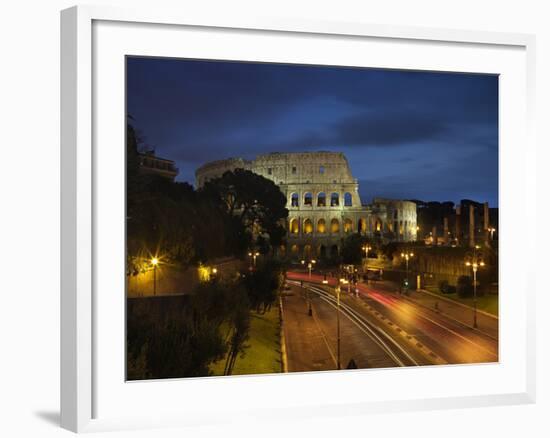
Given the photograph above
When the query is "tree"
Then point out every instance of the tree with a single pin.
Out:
(256, 202)
(165, 339)
(263, 285)
(352, 249)
(464, 286)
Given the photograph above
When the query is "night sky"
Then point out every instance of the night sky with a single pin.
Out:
(407, 135)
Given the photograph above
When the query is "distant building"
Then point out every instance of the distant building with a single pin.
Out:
(323, 201)
(150, 164)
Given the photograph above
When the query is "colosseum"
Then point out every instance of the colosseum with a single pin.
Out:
(323, 201)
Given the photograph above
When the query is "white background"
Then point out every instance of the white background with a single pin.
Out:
(29, 223)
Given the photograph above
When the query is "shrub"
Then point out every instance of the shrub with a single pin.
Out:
(464, 286)
(446, 288)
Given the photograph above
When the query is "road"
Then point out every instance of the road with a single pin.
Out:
(415, 334)
(311, 341)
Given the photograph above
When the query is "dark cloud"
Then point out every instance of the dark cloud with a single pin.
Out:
(398, 129)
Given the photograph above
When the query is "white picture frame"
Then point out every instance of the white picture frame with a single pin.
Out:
(84, 379)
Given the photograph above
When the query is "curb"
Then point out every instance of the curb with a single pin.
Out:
(284, 359)
(463, 324)
(411, 339)
(450, 300)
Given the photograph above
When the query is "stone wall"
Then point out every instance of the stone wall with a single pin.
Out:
(173, 280)
(323, 200)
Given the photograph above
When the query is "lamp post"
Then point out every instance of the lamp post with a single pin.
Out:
(154, 262)
(475, 264)
(367, 248)
(309, 266)
(407, 256)
(338, 326)
(254, 255)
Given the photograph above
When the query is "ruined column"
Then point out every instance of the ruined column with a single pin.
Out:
(434, 235)
(457, 224)
(446, 230)
(472, 230)
(486, 223)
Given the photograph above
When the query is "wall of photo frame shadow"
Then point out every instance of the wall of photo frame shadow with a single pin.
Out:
(176, 280)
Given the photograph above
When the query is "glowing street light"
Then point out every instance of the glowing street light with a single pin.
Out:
(407, 256)
(475, 264)
(154, 262)
(492, 231)
(254, 255)
(338, 324)
(367, 248)
(310, 266)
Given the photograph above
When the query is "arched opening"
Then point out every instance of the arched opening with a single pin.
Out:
(378, 225)
(322, 251)
(347, 199)
(348, 226)
(334, 200)
(308, 199)
(293, 226)
(308, 226)
(294, 200)
(307, 252)
(282, 251)
(321, 226)
(321, 200)
(362, 226)
(334, 251)
(294, 250)
(334, 226)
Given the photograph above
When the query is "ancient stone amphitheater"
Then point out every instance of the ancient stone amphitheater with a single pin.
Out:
(323, 201)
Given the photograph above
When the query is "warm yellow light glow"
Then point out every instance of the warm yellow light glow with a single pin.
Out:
(482, 264)
(303, 262)
(214, 270)
(468, 264)
(314, 261)
(325, 281)
(154, 261)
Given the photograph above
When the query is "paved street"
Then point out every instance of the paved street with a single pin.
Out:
(425, 335)
(311, 341)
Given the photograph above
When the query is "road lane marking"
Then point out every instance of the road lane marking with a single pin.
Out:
(425, 351)
(365, 324)
(421, 314)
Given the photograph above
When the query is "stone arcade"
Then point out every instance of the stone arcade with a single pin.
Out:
(323, 201)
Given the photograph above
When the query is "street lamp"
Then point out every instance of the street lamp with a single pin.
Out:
(338, 325)
(475, 264)
(492, 231)
(254, 255)
(154, 262)
(407, 256)
(367, 248)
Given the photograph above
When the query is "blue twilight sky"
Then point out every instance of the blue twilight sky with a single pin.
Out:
(406, 134)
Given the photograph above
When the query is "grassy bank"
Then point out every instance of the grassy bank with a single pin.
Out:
(263, 353)
(487, 302)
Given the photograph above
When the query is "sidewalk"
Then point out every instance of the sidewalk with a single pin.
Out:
(463, 314)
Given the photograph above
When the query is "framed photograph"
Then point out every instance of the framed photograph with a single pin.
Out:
(266, 218)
